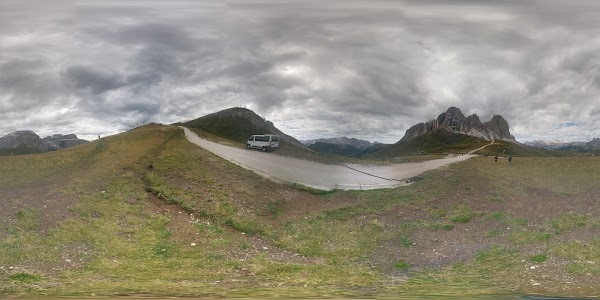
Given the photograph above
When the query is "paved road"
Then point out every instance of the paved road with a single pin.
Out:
(318, 175)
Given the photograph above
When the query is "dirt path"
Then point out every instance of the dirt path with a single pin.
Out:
(473, 151)
(318, 175)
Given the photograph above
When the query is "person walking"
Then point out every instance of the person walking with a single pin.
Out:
(510, 159)
(496, 158)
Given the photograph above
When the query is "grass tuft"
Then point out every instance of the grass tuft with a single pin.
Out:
(24, 277)
(401, 265)
(539, 258)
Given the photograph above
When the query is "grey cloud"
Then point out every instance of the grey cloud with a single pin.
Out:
(157, 34)
(95, 81)
(98, 82)
(352, 67)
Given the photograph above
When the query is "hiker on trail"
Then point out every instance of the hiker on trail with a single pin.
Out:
(496, 158)
(510, 159)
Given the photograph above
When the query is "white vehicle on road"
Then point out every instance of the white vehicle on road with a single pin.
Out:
(264, 142)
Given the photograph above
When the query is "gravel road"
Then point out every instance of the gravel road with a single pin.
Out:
(318, 175)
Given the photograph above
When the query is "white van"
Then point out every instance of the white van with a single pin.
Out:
(264, 142)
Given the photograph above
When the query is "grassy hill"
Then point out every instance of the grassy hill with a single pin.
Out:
(343, 150)
(148, 213)
(235, 125)
(432, 143)
(506, 148)
(444, 142)
(19, 151)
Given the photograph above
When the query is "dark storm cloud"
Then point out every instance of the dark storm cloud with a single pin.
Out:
(157, 34)
(94, 81)
(366, 69)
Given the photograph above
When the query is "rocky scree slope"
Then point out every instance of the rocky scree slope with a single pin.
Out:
(454, 121)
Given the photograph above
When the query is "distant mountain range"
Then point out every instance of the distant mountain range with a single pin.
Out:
(566, 146)
(450, 132)
(26, 141)
(341, 146)
(454, 121)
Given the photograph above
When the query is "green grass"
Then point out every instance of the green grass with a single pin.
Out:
(275, 208)
(582, 257)
(462, 214)
(163, 194)
(529, 236)
(432, 143)
(24, 278)
(401, 265)
(566, 222)
(539, 258)
(405, 241)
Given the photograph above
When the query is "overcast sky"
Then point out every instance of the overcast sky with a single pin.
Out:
(365, 69)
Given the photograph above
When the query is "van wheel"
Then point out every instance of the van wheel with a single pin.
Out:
(248, 146)
(264, 149)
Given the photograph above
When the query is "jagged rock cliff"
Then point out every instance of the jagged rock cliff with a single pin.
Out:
(28, 138)
(454, 121)
(60, 141)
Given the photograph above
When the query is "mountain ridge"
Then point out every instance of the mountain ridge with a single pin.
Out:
(454, 121)
(27, 139)
(238, 124)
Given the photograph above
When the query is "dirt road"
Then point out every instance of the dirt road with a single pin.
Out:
(318, 175)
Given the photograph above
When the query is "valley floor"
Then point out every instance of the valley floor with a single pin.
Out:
(148, 213)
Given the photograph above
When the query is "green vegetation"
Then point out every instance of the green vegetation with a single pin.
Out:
(567, 222)
(148, 213)
(442, 141)
(431, 143)
(539, 258)
(401, 265)
(24, 277)
(20, 150)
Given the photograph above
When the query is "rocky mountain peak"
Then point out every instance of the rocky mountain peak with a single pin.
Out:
(30, 139)
(454, 121)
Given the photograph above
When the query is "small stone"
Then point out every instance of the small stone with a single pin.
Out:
(193, 244)
(102, 192)
(67, 260)
(11, 268)
(535, 283)
(265, 248)
(532, 267)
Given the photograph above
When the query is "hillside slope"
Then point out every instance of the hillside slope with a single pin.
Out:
(238, 124)
(436, 142)
(148, 213)
(445, 142)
